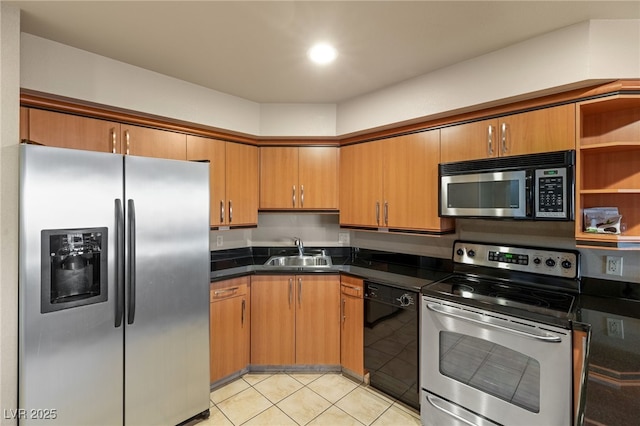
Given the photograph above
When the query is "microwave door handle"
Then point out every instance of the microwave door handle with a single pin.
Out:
(529, 192)
(545, 337)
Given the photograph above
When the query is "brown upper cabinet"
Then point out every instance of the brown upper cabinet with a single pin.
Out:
(71, 131)
(91, 134)
(147, 142)
(392, 183)
(542, 130)
(233, 178)
(293, 178)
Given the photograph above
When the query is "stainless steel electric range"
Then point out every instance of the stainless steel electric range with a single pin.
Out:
(496, 337)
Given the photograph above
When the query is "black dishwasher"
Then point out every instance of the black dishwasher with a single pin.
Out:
(391, 341)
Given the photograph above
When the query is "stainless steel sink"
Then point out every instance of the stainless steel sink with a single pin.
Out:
(300, 261)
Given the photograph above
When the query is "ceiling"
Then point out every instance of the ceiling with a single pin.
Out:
(257, 49)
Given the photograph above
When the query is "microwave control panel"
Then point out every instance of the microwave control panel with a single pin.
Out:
(551, 193)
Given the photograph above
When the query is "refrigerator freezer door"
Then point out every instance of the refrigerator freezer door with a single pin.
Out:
(70, 357)
(167, 306)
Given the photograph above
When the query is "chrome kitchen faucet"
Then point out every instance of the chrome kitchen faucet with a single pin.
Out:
(298, 242)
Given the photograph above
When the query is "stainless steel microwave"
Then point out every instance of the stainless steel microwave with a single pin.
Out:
(534, 187)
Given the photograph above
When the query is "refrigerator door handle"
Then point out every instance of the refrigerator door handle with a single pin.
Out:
(132, 261)
(119, 251)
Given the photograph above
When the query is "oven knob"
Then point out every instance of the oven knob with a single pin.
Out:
(459, 252)
(566, 264)
(550, 262)
(537, 261)
(471, 253)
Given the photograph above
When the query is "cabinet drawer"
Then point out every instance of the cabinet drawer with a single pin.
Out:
(229, 288)
(351, 286)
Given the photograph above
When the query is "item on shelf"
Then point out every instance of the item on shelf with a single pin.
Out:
(602, 220)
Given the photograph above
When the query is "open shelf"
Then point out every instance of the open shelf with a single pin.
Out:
(608, 169)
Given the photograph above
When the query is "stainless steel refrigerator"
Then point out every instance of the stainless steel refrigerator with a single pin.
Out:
(113, 289)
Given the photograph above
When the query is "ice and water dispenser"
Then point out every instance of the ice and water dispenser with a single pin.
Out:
(74, 268)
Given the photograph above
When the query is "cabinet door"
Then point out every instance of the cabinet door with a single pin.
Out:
(241, 184)
(229, 343)
(361, 184)
(352, 325)
(279, 178)
(318, 178)
(147, 142)
(317, 319)
(543, 130)
(199, 148)
(411, 181)
(72, 131)
(470, 141)
(272, 320)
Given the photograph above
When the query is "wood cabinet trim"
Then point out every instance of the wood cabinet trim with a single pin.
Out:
(34, 99)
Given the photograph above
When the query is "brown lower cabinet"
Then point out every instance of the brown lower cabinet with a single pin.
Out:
(295, 320)
(230, 322)
(352, 325)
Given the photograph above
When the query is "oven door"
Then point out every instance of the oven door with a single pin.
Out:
(492, 194)
(504, 369)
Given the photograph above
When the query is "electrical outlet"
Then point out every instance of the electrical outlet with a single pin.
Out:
(219, 241)
(613, 265)
(343, 237)
(615, 328)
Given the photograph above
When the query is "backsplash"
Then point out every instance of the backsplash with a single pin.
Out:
(323, 230)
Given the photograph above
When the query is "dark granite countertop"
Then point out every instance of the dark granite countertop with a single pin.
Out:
(405, 271)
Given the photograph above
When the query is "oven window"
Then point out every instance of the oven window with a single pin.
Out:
(494, 369)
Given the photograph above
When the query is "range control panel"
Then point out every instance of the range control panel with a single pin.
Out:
(539, 260)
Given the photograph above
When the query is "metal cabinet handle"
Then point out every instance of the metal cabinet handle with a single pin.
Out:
(545, 337)
(344, 314)
(230, 211)
(386, 213)
(225, 291)
(113, 140)
(378, 212)
(299, 291)
(127, 138)
(290, 290)
(293, 196)
(119, 255)
(490, 141)
(301, 195)
(352, 287)
(244, 307)
(221, 211)
(503, 138)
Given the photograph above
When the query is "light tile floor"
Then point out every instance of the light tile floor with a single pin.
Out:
(304, 399)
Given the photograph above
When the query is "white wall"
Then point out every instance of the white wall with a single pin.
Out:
(9, 138)
(570, 57)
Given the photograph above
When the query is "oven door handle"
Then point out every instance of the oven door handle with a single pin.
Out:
(545, 337)
(448, 408)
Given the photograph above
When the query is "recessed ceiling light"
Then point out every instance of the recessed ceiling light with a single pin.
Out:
(322, 53)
